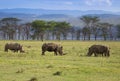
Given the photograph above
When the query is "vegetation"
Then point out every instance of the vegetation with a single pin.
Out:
(15, 29)
(9, 27)
(118, 31)
(90, 25)
(74, 66)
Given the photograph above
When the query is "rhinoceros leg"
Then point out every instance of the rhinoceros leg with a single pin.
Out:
(6, 50)
(103, 54)
(43, 52)
(60, 52)
(95, 54)
(55, 52)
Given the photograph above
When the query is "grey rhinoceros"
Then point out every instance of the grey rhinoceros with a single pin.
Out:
(15, 47)
(52, 47)
(99, 49)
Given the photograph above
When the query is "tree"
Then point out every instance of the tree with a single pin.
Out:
(118, 30)
(10, 27)
(84, 32)
(62, 28)
(72, 32)
(90, 24)
(39, 27)
(3, 31)
(96, 31)
(87, 22)
(104, 30)
(110, 26)
(94, 26)
(27, 29)
(51, 29)
(20, 32)
(78, 31)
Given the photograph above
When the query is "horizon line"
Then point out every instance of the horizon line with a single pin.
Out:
(64, 9)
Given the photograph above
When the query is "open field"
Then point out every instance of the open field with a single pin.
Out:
(74, 66)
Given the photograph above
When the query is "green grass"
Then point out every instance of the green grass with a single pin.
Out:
(74, 66)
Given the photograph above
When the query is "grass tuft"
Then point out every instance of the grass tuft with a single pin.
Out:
(50, 66)
(20, 71)
(33, 79)
(58, 73)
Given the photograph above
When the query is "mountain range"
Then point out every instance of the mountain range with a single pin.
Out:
(71, 16)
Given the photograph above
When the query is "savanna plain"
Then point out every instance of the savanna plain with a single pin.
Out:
(74, 66)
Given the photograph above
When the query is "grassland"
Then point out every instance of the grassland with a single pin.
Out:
(74, 66)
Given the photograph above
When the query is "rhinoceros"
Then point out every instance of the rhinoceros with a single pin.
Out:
(99, 49)
(15, 47)
(52, 47)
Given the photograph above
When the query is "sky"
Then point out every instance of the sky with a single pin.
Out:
(107, 5)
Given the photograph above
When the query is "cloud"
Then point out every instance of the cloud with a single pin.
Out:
(87, 2)
(98, 2)
(109, 2)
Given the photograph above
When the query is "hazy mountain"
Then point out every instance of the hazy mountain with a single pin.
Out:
(19, 15)
(71, 16)
(45, 11)
(110, 18)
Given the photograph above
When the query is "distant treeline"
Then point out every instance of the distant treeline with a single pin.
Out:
(93, 29)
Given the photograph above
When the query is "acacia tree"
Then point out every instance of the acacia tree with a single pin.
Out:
(96, 31)
(118, 30)
(104, 30)
(94, 26)
(10, 27)
(39, 27)
(19, 31)
(78, 31)
(84, 32)
(65, 29)
(72, 32)
(87, 22)
(3, 31)
(26, 30)
(90, 25)
(110, 26)
(51, 29)
(62, 28)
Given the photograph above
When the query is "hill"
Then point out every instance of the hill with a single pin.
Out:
(45, 11)
(71, 16)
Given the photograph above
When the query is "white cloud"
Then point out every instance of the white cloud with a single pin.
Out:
(88, 2)
(109, 2)
(98, 2)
